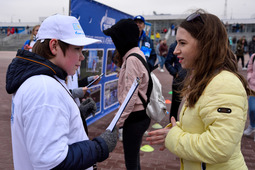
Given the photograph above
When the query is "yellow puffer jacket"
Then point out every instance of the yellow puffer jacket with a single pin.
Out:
(211, 131)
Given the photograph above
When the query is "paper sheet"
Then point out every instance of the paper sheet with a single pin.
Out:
(124, 104)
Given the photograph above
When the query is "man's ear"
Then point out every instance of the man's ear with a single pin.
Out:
(53, 46)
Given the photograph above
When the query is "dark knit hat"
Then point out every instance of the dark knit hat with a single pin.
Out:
(124, 34)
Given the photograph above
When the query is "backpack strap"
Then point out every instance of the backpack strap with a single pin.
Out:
(148, 93)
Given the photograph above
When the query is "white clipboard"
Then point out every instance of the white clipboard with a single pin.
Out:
(124, 104)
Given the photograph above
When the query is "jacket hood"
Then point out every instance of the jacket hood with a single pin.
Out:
(124, 34)
(26, 65)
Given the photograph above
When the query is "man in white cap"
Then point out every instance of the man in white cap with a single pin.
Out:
(47, 130)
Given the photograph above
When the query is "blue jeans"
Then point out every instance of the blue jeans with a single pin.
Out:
(252, 110)
(162, 61)
(159, 59)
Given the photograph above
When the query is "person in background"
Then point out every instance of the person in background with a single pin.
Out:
(46, 126)
(12, 30)
(145, 43)
(172, 30)
(174, 67)
(230, 41)
(152, 37)
(234, 44)
(251, 81)
(158, 53)
(27, 29)
(240, 52)
(245, 44)
(251, 48)
(134, 120)
(8, 31)
(30, 43)
(157, 37)
(208, 135)
(163, 50)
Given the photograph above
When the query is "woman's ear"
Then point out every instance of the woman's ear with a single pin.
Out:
(53, 46)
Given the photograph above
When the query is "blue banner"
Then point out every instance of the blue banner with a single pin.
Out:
(95, 17)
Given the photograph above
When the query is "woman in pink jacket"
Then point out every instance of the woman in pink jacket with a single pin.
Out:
(251, 82)
(134, 120)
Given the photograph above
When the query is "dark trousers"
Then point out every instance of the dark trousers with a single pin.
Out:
(242, 59)
(134, 127)
(176, 101)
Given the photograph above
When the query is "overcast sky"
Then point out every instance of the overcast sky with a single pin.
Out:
(31, 10)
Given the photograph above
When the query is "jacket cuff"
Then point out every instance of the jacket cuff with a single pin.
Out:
(102, 149)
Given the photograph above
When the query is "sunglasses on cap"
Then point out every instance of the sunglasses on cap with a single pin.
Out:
(194, 16)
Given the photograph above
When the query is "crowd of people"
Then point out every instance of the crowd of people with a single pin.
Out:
(48, 120)
(14, 30)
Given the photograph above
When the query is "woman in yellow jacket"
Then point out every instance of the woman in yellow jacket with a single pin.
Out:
(212, 120)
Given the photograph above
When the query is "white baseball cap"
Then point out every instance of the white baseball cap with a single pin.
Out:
(64, 28)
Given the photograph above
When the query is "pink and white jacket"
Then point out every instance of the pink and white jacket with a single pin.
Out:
(251, 72)
(130, 70)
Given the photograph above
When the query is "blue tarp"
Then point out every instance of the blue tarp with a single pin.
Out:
(95, 17)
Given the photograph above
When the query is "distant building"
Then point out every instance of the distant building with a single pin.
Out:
(162, 23)
(20, 27)
(240, 25)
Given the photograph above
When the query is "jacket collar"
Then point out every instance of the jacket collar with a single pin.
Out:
(27, 64)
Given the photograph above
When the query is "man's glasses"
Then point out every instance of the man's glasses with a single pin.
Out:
(194, 16)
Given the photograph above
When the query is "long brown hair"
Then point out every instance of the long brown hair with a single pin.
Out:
(214, 56)
(32, 34)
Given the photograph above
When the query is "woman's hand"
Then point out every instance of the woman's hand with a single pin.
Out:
(173, 121)
(158, 136)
